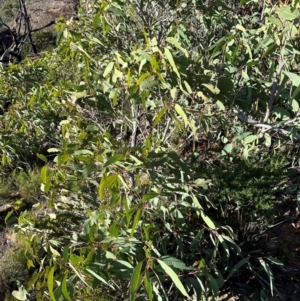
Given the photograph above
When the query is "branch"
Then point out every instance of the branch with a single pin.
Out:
(244, 118)
(49, 24)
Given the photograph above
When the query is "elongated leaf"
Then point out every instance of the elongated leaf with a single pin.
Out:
(225, 246)
(295, 93)
(250, 139)
(96, 20)
(227, 149)
(213, 285)
(176, 263)
(108, 69)
(174, 278)
(64, 288)
(169, 57)
(113, 159)
(180, 111)
(79, 47)
(293, 77)
(136, 220)
(269, 273)
(44, 174)
(237, 266)
(82, 152)
(159, 115)
(274, 260)
(197, 239)
(148, 286)
(50, 283)
(142, 77)
(106, 182)
(79, 275)
(98, 277)
(136, 280)
(287, 13)
(177, 44)
(207, 220)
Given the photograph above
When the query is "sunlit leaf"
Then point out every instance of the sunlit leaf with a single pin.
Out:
(136, 280)
(207, 220)
(169, 57)
(50, 283)
(170, 272)
(20, 294)
(181, 112)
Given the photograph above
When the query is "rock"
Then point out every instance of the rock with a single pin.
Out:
(42, 12)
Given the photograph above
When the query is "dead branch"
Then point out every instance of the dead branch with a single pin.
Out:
(267, 127)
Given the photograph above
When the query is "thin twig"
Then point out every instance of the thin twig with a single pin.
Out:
(166, 130)
(244, 118)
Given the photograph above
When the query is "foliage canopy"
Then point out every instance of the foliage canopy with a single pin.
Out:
(156, 127)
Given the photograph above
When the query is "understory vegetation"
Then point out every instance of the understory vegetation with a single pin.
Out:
(147, 156)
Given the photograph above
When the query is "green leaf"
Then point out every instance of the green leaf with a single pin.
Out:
(159, 115)
(96, 20)
(148, 286)
(295, 93)
(176, 263)
(113, 159)
(220, 105)
(202, 183)
(142, 77)
(275, 21)
(250, 139)
(83, 152)
(78, 46)
(207, 220)
(213, 285)
(136, 280)
(169, 57)
(295, 105)
(106, 182)
(42, 157)
(269, 273)
(64, 288)
(149, 82)
(108, 69)
(136, 220)
(50, 283)
(287, 12)
(174, 278)
(97, 276)
(44, 174)
(293, 77)
(241, 28)
(176, 43)
(237, 267)
(268, 139)
(271, 49)
(274, 260)
(225, 246)
(211, 88)
(197, 240)
(188, 87)
(180, 111)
